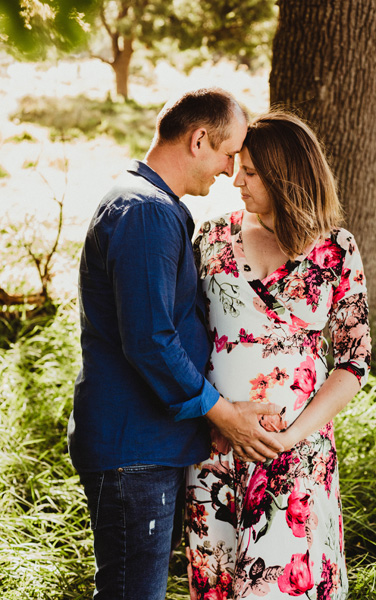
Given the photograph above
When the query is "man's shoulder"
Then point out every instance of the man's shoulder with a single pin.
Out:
(131, 190)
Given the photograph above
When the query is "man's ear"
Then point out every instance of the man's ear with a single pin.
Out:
(198, 138)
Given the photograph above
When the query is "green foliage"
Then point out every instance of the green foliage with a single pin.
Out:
(238, 30)
(218, 28)
(46, 543)
(356, 445)
(3, 172)
(24, 137)
(45, 547)
(127, 122)
(30, 27)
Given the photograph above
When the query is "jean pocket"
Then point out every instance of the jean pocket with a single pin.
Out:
(141, 468)
(93, 483)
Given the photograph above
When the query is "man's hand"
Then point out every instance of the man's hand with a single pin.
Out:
(239, 423)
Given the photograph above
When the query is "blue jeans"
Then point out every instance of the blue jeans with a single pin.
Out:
(132, 512)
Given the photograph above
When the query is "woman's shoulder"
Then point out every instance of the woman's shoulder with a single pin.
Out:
(343, 238)
(230, 219)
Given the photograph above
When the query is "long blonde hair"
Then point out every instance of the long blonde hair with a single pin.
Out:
(291, 163)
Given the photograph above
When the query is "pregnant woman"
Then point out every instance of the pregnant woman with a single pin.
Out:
(275, 274)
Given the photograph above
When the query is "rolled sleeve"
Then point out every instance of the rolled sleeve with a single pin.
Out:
(198, 406)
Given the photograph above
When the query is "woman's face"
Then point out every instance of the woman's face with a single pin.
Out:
(252, 190)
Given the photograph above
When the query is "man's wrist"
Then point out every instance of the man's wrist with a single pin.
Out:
(222, 411)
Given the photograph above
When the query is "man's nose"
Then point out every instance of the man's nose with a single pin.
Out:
(238, 181)
(230, 167)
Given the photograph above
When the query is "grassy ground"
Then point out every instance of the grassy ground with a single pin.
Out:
(45, 540)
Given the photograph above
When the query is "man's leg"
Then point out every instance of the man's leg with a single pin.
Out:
(132, 513)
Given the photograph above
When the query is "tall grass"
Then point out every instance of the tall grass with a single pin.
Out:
(45, 539)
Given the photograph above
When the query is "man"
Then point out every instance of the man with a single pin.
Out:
(141, 394)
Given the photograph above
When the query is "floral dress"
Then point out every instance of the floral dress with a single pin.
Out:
(274, 529)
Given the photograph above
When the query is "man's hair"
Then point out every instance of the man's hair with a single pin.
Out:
(212, 108)
(291, 163)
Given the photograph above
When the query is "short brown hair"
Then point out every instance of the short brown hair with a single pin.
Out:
(291, 163)
(212, 108)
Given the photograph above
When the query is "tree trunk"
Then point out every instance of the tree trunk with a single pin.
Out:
(120, 65)
(324, 65)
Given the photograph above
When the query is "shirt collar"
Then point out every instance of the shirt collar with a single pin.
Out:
(141, 168)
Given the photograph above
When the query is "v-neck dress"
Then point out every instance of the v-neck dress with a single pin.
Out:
(274, 529)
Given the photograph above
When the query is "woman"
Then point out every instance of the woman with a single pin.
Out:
(274, 275)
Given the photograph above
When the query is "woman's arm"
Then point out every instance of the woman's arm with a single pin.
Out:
(349, 331)
(340, 387)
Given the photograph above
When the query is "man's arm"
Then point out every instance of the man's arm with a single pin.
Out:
(143, 259)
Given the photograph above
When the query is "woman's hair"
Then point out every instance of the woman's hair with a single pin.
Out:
(213, 108)
(290, 162)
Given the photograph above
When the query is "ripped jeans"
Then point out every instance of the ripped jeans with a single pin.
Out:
(132, 513)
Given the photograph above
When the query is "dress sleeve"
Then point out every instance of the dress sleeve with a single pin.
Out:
(348, 319)
(143, 259)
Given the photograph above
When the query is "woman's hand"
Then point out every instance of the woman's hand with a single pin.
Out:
(288, 438)
(239, 423)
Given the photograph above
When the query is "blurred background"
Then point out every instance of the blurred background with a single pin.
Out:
(81, 83)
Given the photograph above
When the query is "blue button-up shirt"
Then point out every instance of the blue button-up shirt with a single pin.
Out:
(141, 393)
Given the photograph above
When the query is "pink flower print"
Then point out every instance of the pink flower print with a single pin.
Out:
(304, 382)
(327, 255)
(236, 217)
(297, 577)
(273, 422)
(256, 499)
(230, 502)
(298, 511)
(256, 489)
(246, 338)
(216, 594)
(328, 432)
(261, 381)
(200, 562)
(225, 581)
(330, 298)
(220, 342)
(319, 469)
(340, 533)
(214, 265)
(278, 376)
(297, 324)
(330, 579)
(260, 384)
(276, 276)
(343, 286)
(219, 234)
(359, 277)
(295, 287)
(273, 316)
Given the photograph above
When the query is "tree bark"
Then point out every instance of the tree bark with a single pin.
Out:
(324, 65)
(120, 64)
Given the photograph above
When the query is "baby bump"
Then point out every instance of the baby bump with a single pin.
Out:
(246, 374)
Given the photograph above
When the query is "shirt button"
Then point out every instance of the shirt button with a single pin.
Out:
(120, 469)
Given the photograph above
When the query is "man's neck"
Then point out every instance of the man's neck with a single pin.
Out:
(166, 161)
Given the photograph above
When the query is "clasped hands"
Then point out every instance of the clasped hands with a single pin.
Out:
(252, 429)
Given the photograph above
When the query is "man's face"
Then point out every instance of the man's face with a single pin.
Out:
(211, 163)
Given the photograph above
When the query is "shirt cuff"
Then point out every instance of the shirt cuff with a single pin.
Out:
(197, 406)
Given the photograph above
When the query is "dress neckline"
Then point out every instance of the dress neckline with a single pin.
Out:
(245, 269)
